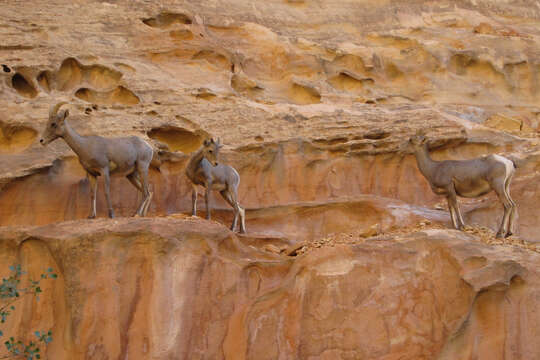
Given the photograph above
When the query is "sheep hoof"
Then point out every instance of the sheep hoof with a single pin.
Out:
(91, 216)
(499, 235)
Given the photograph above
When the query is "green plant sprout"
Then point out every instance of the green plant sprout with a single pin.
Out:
(10, 292)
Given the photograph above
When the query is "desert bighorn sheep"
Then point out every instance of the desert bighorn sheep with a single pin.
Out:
(204, 170)
(468, 178)
(126, 156)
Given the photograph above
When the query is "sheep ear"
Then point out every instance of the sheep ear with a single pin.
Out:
(206, 142)
(62, 115)
(219, 144)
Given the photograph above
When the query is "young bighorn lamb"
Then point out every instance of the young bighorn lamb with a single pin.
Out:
(126, 156)
(204, 170)
(468, 178)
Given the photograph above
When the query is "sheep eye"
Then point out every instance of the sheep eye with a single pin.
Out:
(210, 151)
(53, 125)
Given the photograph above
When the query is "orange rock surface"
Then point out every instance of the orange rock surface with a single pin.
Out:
(349, 254)
(186, 288)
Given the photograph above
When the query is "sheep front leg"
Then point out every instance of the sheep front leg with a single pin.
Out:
(207, 199)
(452, 213)
(93, 193)
(194, 200)
(457, 219)
(107, 183)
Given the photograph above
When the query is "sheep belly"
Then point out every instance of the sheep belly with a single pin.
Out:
(218, 186)
(120, 169)
(472, 188)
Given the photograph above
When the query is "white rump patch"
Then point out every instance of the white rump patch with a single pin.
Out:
(507, 163)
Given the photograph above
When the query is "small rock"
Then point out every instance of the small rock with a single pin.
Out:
(271, 248)
(373, 230)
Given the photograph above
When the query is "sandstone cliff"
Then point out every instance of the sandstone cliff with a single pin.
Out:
(185, 288)
(315, 101)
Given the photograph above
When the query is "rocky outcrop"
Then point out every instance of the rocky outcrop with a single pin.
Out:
(313, 103)
(272, 176)
(346, 255)
(185, 288)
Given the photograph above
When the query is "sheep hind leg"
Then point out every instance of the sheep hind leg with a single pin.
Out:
(134, 179)
(227, 196)
(457, 219)
(147, 203)
(461, 223)
(452, 214)
(142, 170)
(241, 212)
(513, 212)
(499, 188)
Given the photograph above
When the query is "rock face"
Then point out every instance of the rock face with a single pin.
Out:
(315, 102)
(185, 288)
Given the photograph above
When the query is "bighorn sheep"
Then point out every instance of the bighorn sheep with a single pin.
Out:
(468, 178)
(203, 169)
(127, 156)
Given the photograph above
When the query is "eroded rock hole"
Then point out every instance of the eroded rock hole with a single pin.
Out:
(22, 86)
(119, 95)
(166, 19)
(125, 67)
(302, 95)
(393, 72)
(44, 80)
(6, 68)
(477, 70)
(183, 34)
(334, 141)
(214, 58)
(245, 86)
(101, 77)
(347, 82)
(376, 135)
(72, 73)
(351, 62)
(69, 75)
(178, 139)
(15, 139)
(204, 94)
